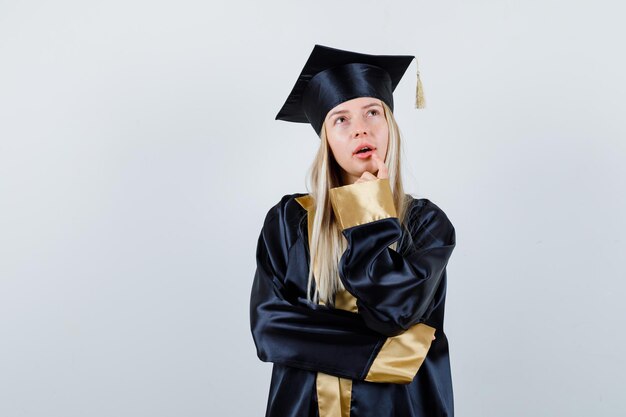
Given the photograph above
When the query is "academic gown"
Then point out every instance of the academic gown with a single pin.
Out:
(372, 354)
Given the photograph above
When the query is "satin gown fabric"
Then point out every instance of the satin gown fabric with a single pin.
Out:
(301, 338)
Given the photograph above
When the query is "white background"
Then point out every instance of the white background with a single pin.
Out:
(139, 155)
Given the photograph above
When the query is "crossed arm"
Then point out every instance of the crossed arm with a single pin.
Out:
(388, 339)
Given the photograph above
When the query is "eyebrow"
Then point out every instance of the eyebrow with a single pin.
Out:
(346, 111)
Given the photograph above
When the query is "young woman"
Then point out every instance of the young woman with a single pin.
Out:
(349, 291)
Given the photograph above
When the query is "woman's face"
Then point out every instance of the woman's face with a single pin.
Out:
(352, 125)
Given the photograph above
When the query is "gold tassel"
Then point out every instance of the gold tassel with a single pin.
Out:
(420, 103)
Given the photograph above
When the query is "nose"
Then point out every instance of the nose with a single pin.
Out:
(360, 130)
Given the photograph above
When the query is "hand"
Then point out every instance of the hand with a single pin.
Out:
(382, 170)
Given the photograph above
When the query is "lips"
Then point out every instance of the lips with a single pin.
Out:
(361, 146)
(363, 155)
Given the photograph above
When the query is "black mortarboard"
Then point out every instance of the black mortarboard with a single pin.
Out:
(332, 76)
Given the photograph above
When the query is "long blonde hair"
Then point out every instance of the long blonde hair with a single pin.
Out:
(327, 241)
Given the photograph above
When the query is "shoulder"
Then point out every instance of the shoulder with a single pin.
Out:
(285, 217)
(425, 209)
(288, 206)
(424, 216)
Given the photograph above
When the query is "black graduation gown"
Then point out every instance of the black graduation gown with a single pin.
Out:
(376, 359)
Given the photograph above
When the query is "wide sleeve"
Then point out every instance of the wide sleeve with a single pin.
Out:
(394, 292)
(291, 331)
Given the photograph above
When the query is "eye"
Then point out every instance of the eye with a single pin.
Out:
(374, 112)
(339, 119)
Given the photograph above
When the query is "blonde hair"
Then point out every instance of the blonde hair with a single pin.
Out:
(327, 241)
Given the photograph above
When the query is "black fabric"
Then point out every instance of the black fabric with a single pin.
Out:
(290, 330)
(394, 291)
(332, 76)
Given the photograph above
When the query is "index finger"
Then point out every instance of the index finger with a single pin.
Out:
(382, 168)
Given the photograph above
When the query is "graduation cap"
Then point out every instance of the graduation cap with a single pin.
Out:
(332, 76)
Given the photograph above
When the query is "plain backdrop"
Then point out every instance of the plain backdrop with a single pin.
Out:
(139, 155)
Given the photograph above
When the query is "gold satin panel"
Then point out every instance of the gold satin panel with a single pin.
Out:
(307, 202)
(343, 299)
(362, 202)
(334, 394)
(401, 356)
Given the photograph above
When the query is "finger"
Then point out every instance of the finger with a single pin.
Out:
(383, 172)
(368, 176)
